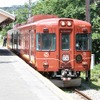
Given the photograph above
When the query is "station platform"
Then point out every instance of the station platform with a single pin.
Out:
(18, 81)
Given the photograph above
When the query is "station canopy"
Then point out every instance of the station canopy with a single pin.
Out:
(5, 18)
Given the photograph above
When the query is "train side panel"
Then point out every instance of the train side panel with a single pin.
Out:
(47, 57)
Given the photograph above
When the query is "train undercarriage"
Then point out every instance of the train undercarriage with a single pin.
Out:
(64, 78)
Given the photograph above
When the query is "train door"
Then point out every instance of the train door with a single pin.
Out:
(65, 49)
(31, 46)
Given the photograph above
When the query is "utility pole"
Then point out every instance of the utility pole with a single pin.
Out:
(30, 12)
(87, 2)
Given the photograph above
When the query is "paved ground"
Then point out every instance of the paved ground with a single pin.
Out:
(18, 81)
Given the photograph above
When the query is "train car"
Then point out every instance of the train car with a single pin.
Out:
(56, 47)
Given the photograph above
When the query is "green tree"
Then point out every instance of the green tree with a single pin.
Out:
(22, 14)
(95, 21)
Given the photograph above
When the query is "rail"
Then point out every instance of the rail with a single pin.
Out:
(82, 94)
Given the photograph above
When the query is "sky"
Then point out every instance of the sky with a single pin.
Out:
(8, 3)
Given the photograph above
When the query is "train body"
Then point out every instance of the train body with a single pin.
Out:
(57, 47)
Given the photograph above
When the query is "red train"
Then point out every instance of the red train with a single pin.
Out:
(56, 47)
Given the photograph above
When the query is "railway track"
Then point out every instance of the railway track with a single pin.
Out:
(83, 96)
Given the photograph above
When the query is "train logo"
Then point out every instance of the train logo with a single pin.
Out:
(46, 54)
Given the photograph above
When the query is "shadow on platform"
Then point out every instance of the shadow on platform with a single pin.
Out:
(5, 52)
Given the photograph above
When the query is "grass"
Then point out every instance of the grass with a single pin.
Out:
(95, 78)
(94, 82)
(1, 41)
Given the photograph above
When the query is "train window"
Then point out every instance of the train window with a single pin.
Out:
(46, 41)
(65, 41)
(83, 42)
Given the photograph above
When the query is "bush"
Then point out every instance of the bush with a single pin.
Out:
(96, 50)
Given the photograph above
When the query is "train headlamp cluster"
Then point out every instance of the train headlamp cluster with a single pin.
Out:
(66, 23)
(63, 23)
(69, 23)
(65, 57)
(79, 58)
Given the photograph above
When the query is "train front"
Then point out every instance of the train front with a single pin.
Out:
(75, 48)
(63, 48)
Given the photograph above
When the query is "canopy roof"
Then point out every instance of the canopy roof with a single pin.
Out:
(5, 18)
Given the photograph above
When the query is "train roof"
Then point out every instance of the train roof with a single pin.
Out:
(49, 21)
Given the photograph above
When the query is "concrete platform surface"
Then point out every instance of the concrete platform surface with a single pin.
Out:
(18, 81)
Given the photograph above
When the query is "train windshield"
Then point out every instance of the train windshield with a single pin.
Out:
(45, 41)
(83, 42)
(65, 41)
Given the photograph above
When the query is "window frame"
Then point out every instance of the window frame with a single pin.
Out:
(41, 40)
(87, 41)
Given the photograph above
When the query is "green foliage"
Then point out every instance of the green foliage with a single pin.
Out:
(95, 19)
(62, 8)
(95, 78)
(5, 29)
(44, 7)
(21, 15)
(3, 32)
(96, 71)
(96, 49)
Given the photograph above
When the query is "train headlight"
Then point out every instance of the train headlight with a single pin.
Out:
(78, 58)
(63, 23)
(69, 23)
(65, 57)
